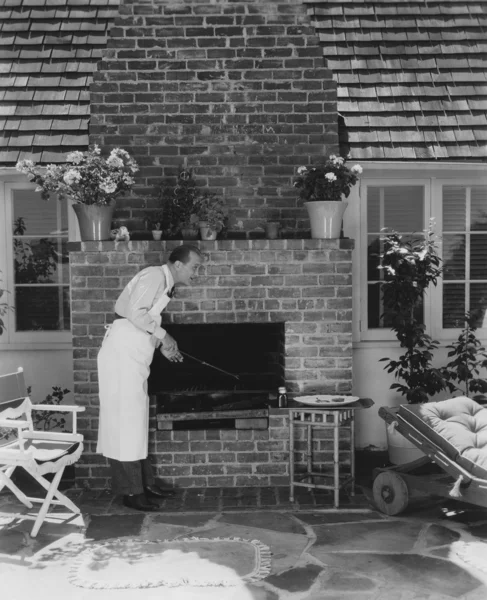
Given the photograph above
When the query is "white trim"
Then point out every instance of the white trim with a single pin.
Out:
(12, 339)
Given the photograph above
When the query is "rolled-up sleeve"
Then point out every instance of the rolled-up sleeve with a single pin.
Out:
(136, 303)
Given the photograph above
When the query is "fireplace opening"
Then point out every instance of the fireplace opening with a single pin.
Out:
(252, 351)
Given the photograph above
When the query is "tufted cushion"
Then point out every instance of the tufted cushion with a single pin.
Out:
(458, 426)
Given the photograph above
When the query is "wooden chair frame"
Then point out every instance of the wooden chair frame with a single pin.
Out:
(20, 452)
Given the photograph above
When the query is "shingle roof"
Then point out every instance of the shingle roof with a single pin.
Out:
(48, 52)
(412, 75)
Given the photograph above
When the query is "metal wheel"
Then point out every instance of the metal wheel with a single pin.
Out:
(390, 493)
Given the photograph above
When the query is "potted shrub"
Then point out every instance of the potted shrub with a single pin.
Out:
(180, 206)
(212, 215)
(90, 182)
(323, 189)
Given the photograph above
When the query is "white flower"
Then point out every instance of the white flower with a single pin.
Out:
(333, 157)
(330, 176)
(127, 179)
(120, 152)
(108, 186)
(357, 169)
(114, 161)
(75, 157)
(24, 166)
(71, 176)
(302, 170)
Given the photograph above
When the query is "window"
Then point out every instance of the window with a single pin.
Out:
(459, 208)
(35, 266)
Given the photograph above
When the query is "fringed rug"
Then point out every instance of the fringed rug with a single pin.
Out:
(133, 563)
(473, 553)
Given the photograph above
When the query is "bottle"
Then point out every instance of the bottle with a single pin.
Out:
(282, 397)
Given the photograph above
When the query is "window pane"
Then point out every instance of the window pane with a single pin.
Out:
(453, 305)
(38, 217)
(374, 306)
(478, 302)
(374, 249)
(454, 256)
(478, 210)
(404, 208)
(454, 208)
(42, 308)
(41, 260)
(374, 223)
(478, 256)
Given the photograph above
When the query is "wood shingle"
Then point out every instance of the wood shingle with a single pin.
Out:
(428, 71)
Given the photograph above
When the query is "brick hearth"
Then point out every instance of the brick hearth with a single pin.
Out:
(304, 283)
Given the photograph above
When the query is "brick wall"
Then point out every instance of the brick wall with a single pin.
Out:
(235, 89)
(304, 283)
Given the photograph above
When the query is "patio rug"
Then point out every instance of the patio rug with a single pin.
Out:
(473, 553)
(122, 563)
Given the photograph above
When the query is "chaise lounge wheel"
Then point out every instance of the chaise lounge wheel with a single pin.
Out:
(390, 493)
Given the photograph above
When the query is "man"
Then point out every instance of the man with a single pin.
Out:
(123, 369)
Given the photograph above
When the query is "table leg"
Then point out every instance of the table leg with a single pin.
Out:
(291, 457)
(336, 459)
(352, 451)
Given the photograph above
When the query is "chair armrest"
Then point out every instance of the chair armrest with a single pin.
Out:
(60, 408)
(14, 423)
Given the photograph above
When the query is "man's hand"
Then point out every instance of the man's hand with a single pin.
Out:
(169, 349)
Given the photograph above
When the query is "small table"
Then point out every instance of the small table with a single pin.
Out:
(315, 418)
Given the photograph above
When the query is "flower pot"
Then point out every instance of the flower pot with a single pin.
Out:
(401, 450)
(94, 221)
(157, 234)
(272, 230)
(326, 218)
(206, 233)
(189, 233)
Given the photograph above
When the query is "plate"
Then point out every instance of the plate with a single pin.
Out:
(326, 400)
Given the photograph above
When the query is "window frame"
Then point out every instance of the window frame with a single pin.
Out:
(23, 340)
(389, 174)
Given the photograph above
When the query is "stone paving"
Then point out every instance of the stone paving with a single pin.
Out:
(318, 553)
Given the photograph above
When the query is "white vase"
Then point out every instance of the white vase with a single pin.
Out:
(206, 233)
(401, 450)
(325, 218)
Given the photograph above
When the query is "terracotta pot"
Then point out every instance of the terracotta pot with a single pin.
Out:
(95, 221)
(325, 218)
(206, 233)
(189, 233)
(157, 234)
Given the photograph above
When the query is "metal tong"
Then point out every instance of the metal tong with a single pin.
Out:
(209, 365)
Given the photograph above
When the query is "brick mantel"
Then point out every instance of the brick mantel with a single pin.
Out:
(304, 283)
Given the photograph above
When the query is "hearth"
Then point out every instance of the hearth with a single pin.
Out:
(193, 395)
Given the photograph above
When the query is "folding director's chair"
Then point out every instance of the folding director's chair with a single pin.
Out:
(38, 452)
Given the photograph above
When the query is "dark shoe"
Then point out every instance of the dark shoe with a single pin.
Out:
(158, 492)
(139, 502)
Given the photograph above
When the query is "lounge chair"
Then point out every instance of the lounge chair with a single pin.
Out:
(453, 435)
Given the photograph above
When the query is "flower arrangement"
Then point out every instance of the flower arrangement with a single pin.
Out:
(328, 181)
(85, 178)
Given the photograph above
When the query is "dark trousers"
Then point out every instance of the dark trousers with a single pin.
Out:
(130, 477)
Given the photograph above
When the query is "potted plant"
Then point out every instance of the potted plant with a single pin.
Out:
(212, 215)
(180, 206)
(88, 180)
(156, 226)
(322, 188)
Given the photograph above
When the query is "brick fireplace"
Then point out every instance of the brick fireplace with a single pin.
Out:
(305, 285)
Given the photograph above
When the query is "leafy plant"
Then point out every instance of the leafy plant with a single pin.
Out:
(212, 210)
(328, 181)
(179, 203)
(469, 356)
(410, 266)
(85, 178)
(3, 308)
(33, 263)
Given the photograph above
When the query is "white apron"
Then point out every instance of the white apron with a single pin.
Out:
(123, 369)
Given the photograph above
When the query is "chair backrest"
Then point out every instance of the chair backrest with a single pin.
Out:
(12, 390)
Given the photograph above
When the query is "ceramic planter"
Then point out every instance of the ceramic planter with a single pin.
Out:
(206, 233)
(157, 234)
(325, 218)
(189, 233)
(94, 221)
(401, 450)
